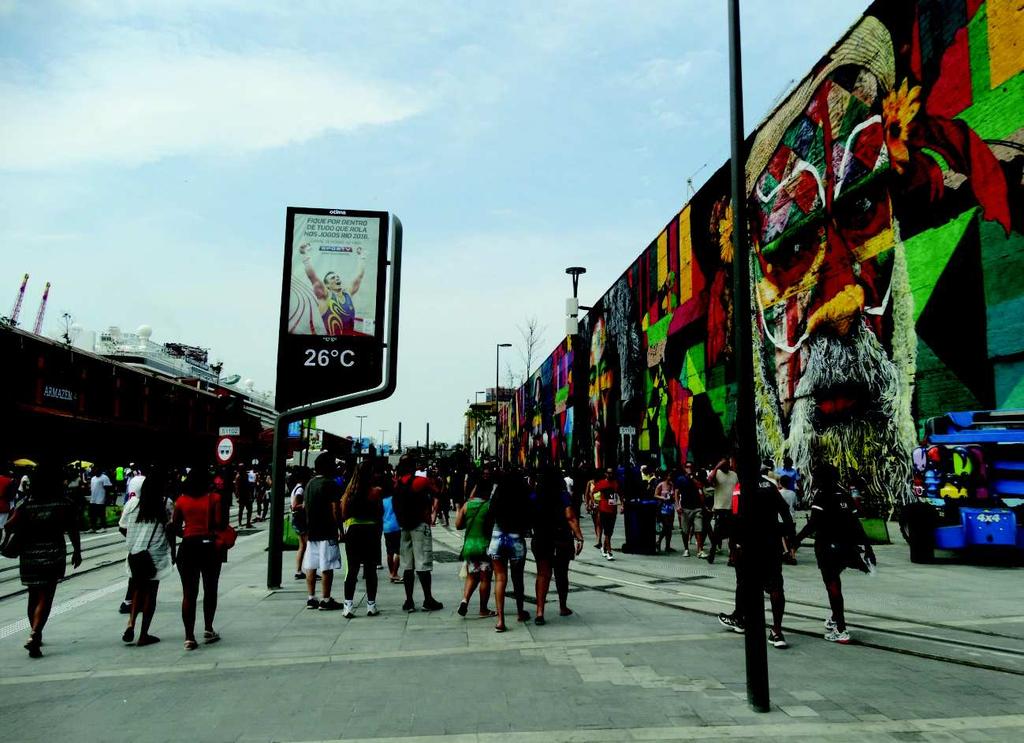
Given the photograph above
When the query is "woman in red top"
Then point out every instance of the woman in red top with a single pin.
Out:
(197, 513)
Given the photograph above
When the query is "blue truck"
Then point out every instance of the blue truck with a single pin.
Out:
(969, 483)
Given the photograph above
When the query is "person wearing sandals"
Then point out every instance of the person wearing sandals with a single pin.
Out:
(474, 517)
(298, 482)
(510, 513)
(362, 510)
(38, 525)
(392, 531)
(197, 514)
(557, 539)
(144, 523)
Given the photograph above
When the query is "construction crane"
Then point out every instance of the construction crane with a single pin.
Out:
(18, 299)
(42, 310)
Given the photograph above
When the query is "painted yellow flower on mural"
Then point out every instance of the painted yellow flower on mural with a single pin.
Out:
(898, 109)
(725, 235)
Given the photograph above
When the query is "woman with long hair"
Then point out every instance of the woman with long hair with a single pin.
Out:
(39, 524)
(557, 539)
(509, 510)
(363, 512)
(473, 517)
(297, 488)
(197, 515)
(144, 522)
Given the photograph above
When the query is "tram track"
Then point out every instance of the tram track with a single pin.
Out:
(913, 638)
(791, 601)
(111, 552)
(926, 637)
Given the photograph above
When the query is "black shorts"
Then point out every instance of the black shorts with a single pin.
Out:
(393, 542)
(830, 560)
(552, 550)
(608, 522)
(197, 553)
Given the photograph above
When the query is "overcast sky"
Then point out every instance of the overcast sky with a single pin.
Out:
(148, 149)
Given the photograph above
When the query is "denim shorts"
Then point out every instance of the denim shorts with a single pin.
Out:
(507, 547)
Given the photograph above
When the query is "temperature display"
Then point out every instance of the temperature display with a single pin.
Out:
(327, 358)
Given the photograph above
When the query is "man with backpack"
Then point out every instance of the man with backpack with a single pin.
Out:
(415, 505)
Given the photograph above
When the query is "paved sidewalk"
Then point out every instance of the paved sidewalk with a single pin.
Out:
(621, 668)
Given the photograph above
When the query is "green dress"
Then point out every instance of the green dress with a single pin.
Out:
(478, 532)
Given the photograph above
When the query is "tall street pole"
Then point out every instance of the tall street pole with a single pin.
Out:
(748, 464)
(360, 417)
(497, 370)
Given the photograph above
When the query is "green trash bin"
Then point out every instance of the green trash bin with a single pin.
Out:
(877, 530)
(289, 537)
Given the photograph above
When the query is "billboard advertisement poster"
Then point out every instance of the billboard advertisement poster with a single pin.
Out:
(331, 333)
(333, 275)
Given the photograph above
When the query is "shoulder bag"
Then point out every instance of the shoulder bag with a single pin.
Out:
(141, 564)
(225, 537)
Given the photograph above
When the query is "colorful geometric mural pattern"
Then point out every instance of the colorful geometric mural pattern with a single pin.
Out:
(887, 234)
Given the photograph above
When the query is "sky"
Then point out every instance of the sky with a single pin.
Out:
(149, 149)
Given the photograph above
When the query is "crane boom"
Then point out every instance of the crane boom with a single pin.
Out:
(42, 310)
(18, 299)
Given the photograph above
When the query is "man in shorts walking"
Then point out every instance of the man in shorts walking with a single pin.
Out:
(723, 478)
(415, 508)
(322, 502)
(691, 509)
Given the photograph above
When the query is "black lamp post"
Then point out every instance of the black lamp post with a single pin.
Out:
(497, 369)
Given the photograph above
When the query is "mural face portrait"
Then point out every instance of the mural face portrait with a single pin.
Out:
(830, 268)
(601, 382)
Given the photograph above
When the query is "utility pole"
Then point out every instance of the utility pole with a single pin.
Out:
(747, 459)
(360, 417)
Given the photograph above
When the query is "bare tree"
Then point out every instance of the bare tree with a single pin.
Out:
(532, 334)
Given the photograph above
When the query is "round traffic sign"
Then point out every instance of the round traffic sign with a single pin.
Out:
(225, 449)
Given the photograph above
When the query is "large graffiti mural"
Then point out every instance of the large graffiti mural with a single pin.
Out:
(886, 222)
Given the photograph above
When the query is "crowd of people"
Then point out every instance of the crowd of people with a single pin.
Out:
(497, 510)
(180, 519)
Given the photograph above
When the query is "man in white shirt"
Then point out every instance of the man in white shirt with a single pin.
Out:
(724, 480)
(99, 486)
(134, 486)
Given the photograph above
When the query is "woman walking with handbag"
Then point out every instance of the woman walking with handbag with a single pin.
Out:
(37, 530)
(197, 518)
(144, 523)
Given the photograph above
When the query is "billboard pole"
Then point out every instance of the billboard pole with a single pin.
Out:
(748, 464)
(386, 387)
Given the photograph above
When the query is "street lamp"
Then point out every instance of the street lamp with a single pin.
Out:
(497, 369)
(360, 417)
(575, 272)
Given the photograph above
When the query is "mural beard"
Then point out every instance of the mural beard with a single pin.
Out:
(846, 411)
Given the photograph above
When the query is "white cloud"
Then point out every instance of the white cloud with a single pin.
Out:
(153, 96)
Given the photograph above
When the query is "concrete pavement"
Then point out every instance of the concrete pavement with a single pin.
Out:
(640, 660)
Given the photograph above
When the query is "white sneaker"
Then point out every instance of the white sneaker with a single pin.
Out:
(830, 623)
(834, 635)
(371, 609)
(348, 611)
(686, 553)
(702, 555)
(608, 557)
